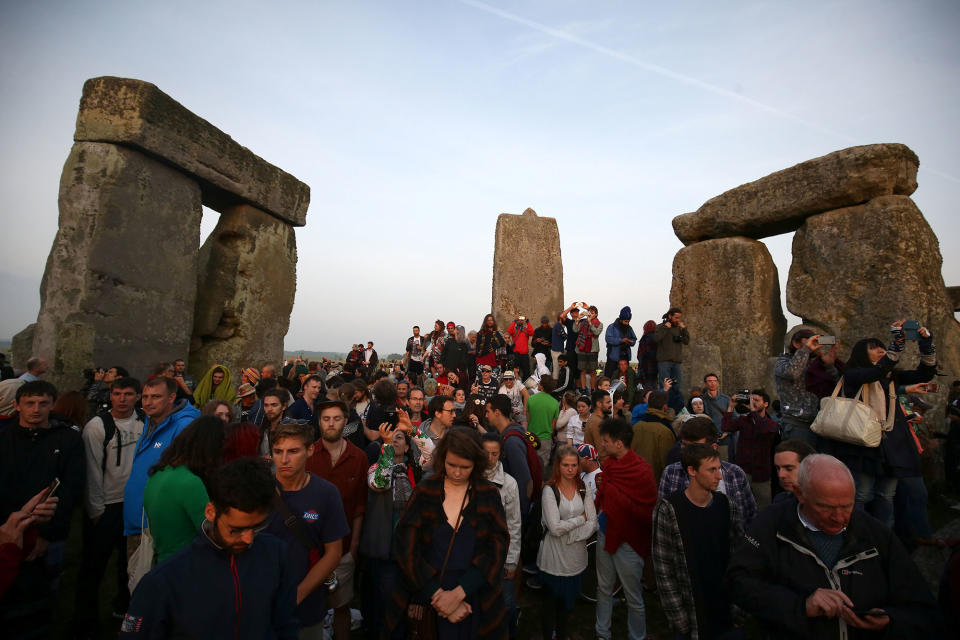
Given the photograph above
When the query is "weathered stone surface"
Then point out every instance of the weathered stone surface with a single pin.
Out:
(699, 359)
(120, 280)
(729, 292)
(856, 270)
(245, 290)
(21, 346)
(527, 268)
(138, 114)
(779, 202)
(954, 294)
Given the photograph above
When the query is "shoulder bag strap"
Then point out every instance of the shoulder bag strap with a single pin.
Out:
(292, 522)
(456, 528)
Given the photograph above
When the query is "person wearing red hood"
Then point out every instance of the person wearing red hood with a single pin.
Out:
(625, 501)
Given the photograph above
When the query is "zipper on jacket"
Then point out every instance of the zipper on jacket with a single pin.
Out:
(236, 594)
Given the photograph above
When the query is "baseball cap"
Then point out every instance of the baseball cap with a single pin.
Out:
(509, 375)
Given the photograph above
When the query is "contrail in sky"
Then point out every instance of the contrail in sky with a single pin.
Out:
(668, 73)
(648, 66)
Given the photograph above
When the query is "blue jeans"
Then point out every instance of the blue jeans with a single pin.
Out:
(879, 490)
(793, 432)
(667, 369)
(627, 565)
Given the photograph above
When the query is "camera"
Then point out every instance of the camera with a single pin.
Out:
(390, 415)
(741, 401)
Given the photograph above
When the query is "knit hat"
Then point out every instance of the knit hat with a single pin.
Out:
(588, 451)
(252, 375)
(625, 313)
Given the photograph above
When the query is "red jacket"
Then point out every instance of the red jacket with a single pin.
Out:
(627, 494)
(521, 338)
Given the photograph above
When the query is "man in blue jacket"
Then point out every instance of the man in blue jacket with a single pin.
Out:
(232, 581)
(620, 338)
(166, 418)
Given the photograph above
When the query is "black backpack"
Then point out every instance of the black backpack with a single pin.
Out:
(110, 432)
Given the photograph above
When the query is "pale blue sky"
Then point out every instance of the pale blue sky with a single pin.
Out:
(417, 123)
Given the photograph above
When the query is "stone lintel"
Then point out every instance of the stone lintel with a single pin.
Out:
(137, 114)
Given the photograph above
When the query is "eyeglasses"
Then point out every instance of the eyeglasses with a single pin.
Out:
(255, 529)
(448, 410)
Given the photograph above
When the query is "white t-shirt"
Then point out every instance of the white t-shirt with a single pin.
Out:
(106, 487)
(590, 480)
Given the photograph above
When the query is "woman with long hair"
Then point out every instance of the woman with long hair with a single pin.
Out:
(570, 518)
(489, 340)
(568, 421)
(451, 543)
(873, 368)
(175, 496)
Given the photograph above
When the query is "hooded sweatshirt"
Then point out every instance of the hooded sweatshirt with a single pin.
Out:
(149, 449)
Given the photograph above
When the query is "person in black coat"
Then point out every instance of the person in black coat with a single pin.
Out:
(876, 469)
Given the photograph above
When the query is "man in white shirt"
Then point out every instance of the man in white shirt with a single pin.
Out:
(510, 494)
(108, 441)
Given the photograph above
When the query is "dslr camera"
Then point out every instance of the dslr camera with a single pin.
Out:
(741, 401)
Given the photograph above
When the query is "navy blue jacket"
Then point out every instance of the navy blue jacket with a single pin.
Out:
(204, 592)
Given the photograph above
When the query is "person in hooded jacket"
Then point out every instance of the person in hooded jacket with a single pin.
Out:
(166, 418)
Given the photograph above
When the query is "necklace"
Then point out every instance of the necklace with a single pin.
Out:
(334, 458)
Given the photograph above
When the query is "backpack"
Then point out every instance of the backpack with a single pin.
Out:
(531, 444)
(110, 432)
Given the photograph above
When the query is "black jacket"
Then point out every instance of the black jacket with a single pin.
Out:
(30, 459)
(202, 591)
(774, 570)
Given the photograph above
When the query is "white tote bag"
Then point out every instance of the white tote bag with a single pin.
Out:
(141, 561)
(850, 420)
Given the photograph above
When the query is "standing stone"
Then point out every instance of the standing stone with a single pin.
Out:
(245, 289)
(729, 292)
(527, 268)
(779, 202)
(699, 359)
(21, 346)
(856, 270)
(120, 281)
(954, 294)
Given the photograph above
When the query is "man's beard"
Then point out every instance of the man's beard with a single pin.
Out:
(330, 436)
(214, 532)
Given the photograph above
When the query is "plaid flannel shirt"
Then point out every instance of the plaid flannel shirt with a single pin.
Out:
(736, 486)
(670, 566)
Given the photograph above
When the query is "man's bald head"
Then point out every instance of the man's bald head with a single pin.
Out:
(821, 469)
(826, 493)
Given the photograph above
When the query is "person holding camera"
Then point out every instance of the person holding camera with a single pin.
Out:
(798, 405)
(876, 470)
(748, 417)
(670, 335)
(521, 332)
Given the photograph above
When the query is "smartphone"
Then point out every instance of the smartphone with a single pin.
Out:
(868, 612)
(828, 340)
(911, 330)
(933, 387)
(52, 489)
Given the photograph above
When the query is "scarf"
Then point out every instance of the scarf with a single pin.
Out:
(627, 496)
(585, 336)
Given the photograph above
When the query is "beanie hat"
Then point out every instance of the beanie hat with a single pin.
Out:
(625, 313)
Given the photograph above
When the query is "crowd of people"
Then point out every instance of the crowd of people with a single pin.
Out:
(427, 493)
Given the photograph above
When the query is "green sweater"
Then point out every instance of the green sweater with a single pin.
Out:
(174, 499)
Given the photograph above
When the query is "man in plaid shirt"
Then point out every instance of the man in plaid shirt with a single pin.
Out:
(755, 446)
(733, 483)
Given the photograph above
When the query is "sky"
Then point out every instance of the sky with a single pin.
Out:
(417, 123)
